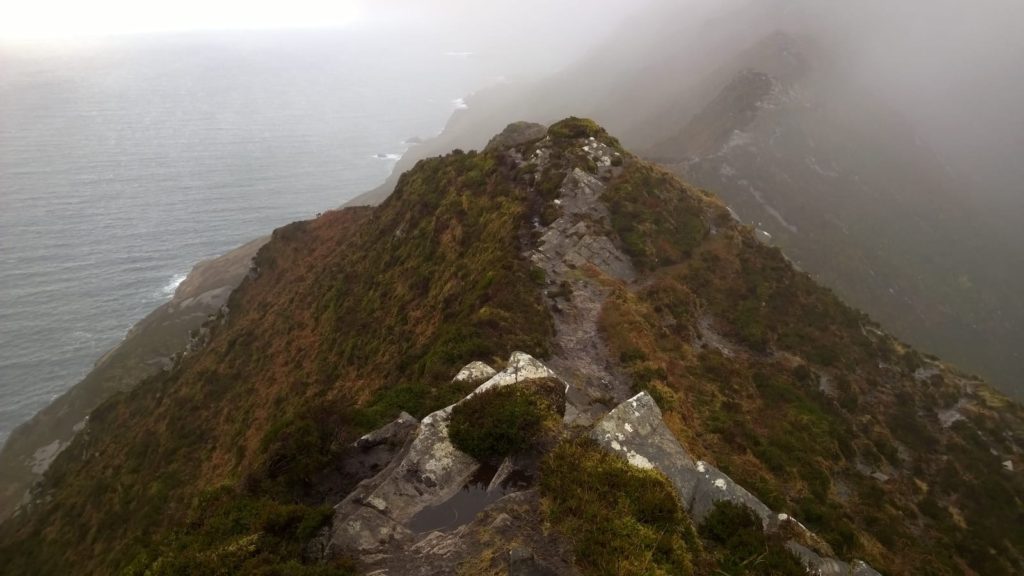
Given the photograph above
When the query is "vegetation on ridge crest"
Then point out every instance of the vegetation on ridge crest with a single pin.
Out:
(743, 547)
(623, 521)
(507, 420)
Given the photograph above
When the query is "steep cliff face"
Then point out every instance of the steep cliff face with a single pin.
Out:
(702, 366)
(149, 347)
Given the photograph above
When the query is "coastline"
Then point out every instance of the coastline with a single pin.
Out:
(147, 348)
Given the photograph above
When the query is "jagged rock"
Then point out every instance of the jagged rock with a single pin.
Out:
(376, 450)
(571, 242)
(474, 372)
(818, 566)
(861, 568)
(506, 469)
(427, 472)
(635, 430)
(394, 432)
(365, 530)
(515, 134)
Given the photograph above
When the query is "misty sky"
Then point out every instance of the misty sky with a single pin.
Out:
(956, 66)
(69, 19)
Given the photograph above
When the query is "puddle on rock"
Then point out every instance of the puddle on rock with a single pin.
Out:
(466, 503)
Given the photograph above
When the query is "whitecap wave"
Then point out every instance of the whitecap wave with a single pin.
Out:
(388, 157)
(168, 290)
(460, 104)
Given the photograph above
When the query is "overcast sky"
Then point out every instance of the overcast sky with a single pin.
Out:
(35, 20)
(62, 19)
(958, 65)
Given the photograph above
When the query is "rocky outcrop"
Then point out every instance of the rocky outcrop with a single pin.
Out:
(374, 521)
(635, 431)
(148, 347)
(516, 134)
(474, 373)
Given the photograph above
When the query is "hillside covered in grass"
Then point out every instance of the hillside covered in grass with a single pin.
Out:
(231, 461)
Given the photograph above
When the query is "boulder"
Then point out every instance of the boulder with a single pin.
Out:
(474, 373)
(522, 562)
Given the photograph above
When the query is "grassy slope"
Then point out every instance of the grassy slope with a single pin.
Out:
(352, 317)
(160, 335)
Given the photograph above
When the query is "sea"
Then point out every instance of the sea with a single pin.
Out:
(124, 161)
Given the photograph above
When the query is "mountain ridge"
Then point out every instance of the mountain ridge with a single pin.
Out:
(564, 244)
(842, 181)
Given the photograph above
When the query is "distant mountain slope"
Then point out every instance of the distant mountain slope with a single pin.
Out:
(624, 280)
(849, 192)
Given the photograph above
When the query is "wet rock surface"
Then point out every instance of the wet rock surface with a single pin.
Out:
(432, 509)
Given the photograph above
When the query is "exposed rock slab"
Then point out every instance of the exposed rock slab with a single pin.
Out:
(636, 431)
(521, 368)
(389, 433)
(507, 536)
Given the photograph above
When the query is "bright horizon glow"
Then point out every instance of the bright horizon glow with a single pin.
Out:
(42, 20)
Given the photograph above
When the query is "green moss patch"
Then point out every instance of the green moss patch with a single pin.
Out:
(227, 533)
(657, 219)
(622, 520)
(734, 535)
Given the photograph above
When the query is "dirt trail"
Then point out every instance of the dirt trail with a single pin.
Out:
(572, 244)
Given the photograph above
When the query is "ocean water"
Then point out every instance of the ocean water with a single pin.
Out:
(124, 162)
